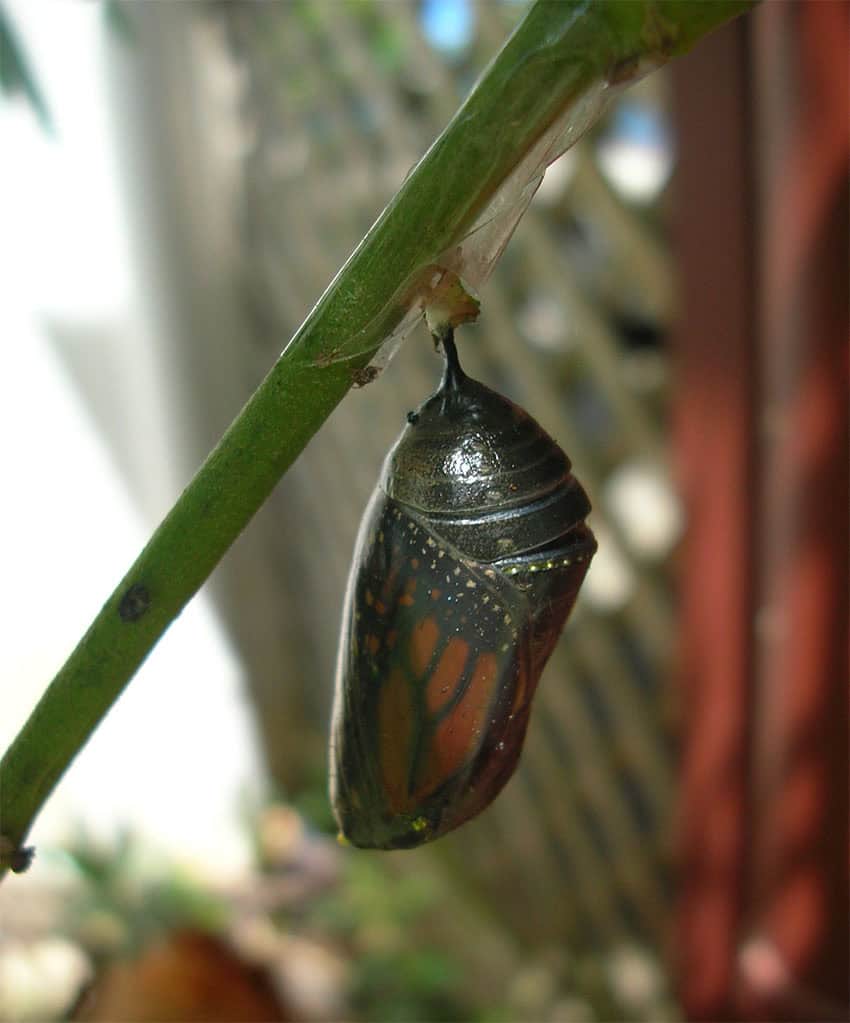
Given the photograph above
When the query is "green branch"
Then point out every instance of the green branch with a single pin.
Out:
(558, 55)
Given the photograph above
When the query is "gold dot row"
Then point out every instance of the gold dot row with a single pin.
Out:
(545, 566)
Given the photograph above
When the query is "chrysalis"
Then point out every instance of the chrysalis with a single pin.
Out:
(468, 561)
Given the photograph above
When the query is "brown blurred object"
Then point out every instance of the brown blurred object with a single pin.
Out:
(761, 430)
(189, 977)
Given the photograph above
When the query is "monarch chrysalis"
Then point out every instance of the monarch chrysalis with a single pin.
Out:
(468, 561)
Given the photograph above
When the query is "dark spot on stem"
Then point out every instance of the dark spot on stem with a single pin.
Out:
(361, 377)
(624, 70)
(134, 603)
(412, 417)
(21, 859)
(16, 858)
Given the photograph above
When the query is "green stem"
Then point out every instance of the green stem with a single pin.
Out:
(557, 55)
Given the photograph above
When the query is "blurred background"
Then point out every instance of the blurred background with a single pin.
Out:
(180, 183)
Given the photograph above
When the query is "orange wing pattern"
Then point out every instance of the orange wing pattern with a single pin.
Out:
(433, 687)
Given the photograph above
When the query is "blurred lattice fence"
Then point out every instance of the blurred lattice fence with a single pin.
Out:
(341, 101)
